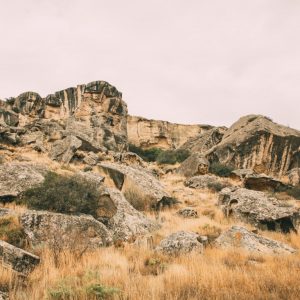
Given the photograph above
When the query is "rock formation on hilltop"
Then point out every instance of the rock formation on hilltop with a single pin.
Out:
(90, 117)
(161, 134)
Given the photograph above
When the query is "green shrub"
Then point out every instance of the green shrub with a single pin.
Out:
(216, 186)
(167, 157)
(12, 232)
(294, 192)
(220, 170)
(182, 155)
(101, 291)
(149, 155)
(64, 195)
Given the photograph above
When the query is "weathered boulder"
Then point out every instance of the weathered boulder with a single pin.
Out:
(180, 242)
(135, 178)
(258, 209)
(255, 142)
(205, 141)
(126, 223)
(206, 181)
(128, 158)
(240, 237)
(188, 212)
(18, 259)
(194, 165)
(294, 176)
(91, 159)
(4, 296)
(18, 177)
(64, 230)
(146, 133)
(262, 182)
(91, 177)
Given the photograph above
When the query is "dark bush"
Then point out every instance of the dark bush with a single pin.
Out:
(64, 195)
(149, 155)
(182, 155)
(294, 192)
(220, 170)
(167, 157)
(216, 186)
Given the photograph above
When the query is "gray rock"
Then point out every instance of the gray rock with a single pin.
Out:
(188, 212)
(259, 209)
(51, 228)
(196, 164)
(205, 181)
(240, 237)
(18, 177)
(128, 177)
(127, 223)
(91, 159)
(92, 177)
(181, 242)
(18, 259)
(241, 173)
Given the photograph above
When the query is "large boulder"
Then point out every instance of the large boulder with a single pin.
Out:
(15, 178)
(206, 181)
(255, 142)
(180, 242)
(259, 209)
(128, 178)
(262, 182)
(64, 230)
(240, 237)
(194, 165)
(18, 259)
(126, 224)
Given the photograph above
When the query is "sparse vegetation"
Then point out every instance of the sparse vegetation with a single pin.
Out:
(63, 194)
(159, 155)
(220, 169)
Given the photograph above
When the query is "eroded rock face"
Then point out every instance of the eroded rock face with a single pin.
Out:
(135, 178)
(161, 134)
(87, 118)
(294, 176)
(255, 142)
(64, 230)
(18, 177)
(127, 223)
(240, 237)
(181, 242)
(258, 209)
(262, 182)
(196, 164)
(18, 259)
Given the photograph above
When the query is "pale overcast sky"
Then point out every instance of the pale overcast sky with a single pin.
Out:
(189, 61)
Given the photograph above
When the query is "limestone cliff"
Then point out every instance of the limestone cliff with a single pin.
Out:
(87, 117)
(152, 133)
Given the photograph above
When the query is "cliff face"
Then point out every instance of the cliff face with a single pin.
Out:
(89, 117)
(165, 135)
(255, 142)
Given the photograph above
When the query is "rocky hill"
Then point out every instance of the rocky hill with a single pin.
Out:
(83, 218)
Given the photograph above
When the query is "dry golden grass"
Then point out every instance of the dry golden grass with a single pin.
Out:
(130, 272)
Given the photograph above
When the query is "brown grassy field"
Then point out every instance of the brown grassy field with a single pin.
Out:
(135, 272)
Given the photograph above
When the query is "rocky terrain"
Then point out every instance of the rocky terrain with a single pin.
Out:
(81, 217)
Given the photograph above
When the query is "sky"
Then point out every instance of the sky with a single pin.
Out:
(184, 61)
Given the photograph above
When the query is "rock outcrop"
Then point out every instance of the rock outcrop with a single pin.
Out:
(64, 230)
(206, 181)
(18, 177)
(136, 180)
(161, 134)
(195, 164)
(240, 237)
(188, 212)
(19, 260)
(91, 117)
(127, 223)
(262, 182)
(181, 242)
(294, 176)
(258, 209)
(255, 142)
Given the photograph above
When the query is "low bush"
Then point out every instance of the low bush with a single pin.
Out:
(63, 194)
(220, 169)
(12, 232)
(159, 155)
